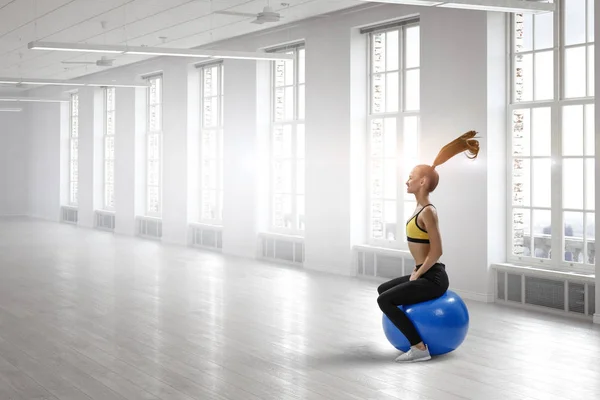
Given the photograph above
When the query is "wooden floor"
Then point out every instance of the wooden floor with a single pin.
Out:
(87, 315)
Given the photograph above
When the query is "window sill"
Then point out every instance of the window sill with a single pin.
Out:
(548, 271)
(277, 235)
(383, 250)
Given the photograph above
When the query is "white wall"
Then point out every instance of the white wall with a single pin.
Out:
(13, 166)
(459, 92)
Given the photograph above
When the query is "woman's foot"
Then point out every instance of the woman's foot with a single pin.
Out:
(414, 354)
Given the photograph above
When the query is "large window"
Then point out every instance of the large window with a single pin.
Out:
(109, 148)
(287, 142)
(552, 218)
(74, 150)
(393, 128)
(154, 148)
(211, 150)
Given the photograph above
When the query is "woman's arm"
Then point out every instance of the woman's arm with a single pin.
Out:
(430, 220)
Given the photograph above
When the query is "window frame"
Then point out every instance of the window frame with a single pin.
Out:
(73, 198)
(219, 129)
(556, 106)
(148, 134)
(294, 123)
(104, 147)
(403, 201)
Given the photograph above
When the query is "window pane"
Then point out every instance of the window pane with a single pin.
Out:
(279, 104)
(376, 179)
(300, 173)
(544, 31)
(590, 20)
(541, 182)
(377, 219)
(209, 174)
(153, 147)
(109, 196)
(209, 204)
(109, 172)
(209, 144)
(590, 130)
(282, 138)
(413, 47)
(541, 131)
(75, 127)
(390, 220)
(574, 75)
(289, 103)
(573, 183)
(283, 176)
(523, 31)
(590, 184)
(153, 201)
(280, 73)
(521, 232)
(282, 211)
(74, 193)
(110, 123)
(392, 92)
(390, 147)
(74, 174)
(153, 172)
(289, 72)
(378, 95)
(300, 141)
(301, 102)
(300, 207)
(377, 137)
(378, 55)
(590, 69)
(301, 65)
(391, 180)
(521, 182)
(523, 77)
(572, 130)
(544, 75)
(574, 21)
(74, 149)
(410, 145)
(573, 228)
(413, 87)
(392, 48)
(590, 226)
(542, 233)
(521, 132)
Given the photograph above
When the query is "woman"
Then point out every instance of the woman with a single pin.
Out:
(429, 279)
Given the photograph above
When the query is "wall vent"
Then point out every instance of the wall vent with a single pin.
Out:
(69, 215)
(380, 262)
(558, 292)
(105, 220)
(148, 227)
(206, 236)
(282, 248)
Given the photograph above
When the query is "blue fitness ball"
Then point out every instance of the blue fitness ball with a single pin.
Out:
(442, 323)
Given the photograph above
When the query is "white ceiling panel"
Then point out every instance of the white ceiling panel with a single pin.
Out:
(180, 23)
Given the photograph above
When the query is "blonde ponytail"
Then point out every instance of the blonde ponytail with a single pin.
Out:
(462, 143)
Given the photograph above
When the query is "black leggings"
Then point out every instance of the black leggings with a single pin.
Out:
(402, 291)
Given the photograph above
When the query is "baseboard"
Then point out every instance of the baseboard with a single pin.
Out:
(597, 318)
(468, 295)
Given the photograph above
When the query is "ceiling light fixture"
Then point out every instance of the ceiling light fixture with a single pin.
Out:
(32, 100)
(11, 109)
(159, 51)
(65, 82)
(511, 6)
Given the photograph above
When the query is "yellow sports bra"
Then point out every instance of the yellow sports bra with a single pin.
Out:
(414, 233)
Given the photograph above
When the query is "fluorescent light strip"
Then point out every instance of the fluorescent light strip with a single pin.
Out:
(64, 82)
(11, 109)
(159, 51)
(511, 6)
(32, 100)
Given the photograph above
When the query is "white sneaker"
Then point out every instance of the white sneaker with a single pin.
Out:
(414, 355)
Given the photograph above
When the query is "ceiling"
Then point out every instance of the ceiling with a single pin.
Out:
(164, 23)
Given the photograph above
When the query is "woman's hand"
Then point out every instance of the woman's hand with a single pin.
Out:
(414, 275)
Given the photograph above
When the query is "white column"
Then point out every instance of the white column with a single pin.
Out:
(86, 157)
(174, 215)
(125, 111)
(245, 129)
